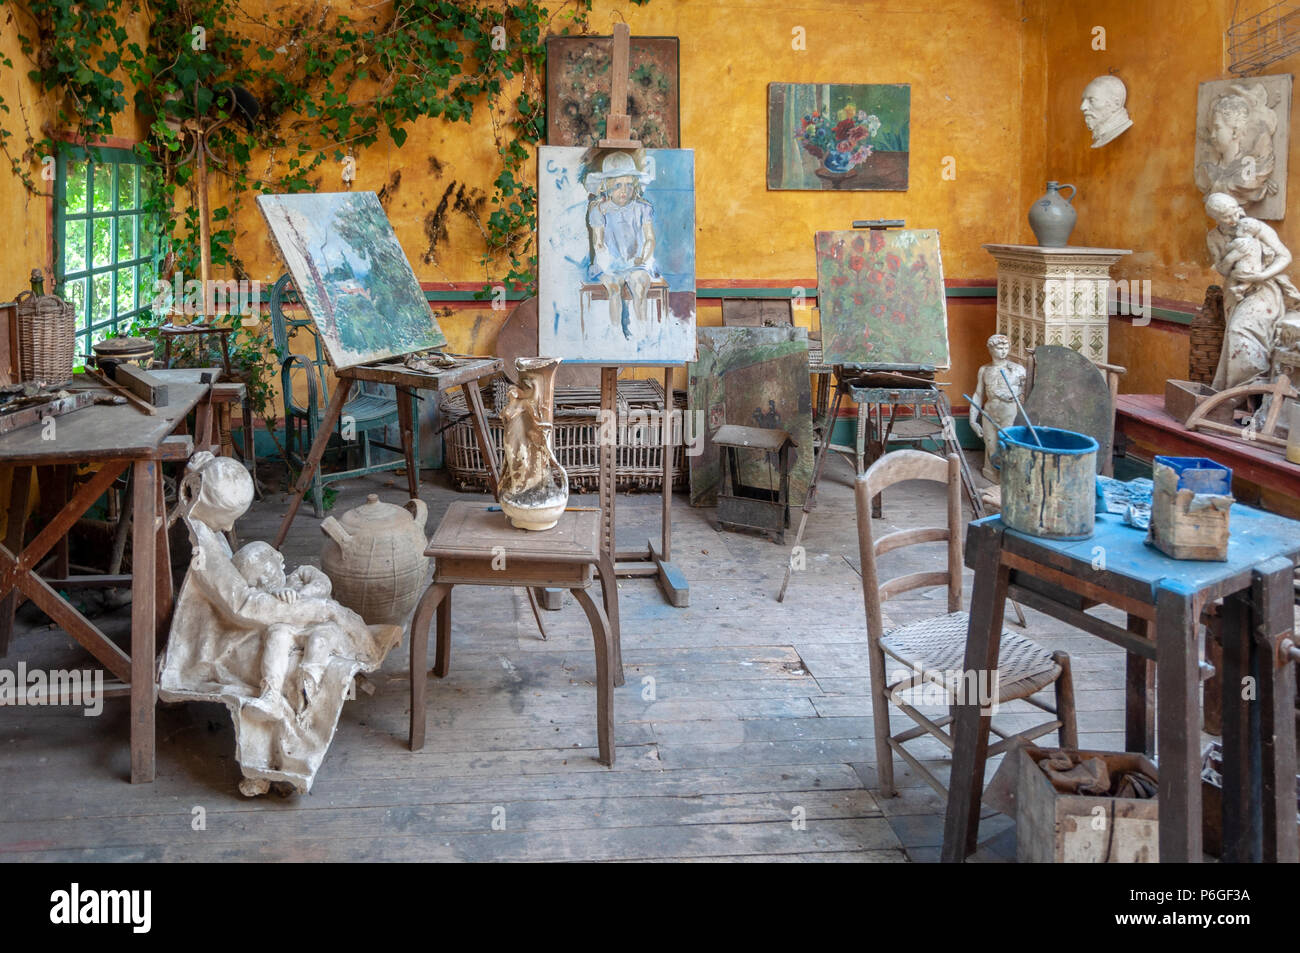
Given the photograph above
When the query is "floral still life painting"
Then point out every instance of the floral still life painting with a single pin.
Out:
(838, 136)
(616, 255)
(881, 297)
(579, 73)
(352, 275)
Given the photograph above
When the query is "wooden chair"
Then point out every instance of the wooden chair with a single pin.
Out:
(929, 655)
(366, 411)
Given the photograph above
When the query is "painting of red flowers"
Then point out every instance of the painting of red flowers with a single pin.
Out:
(851, 136)
(900, 320)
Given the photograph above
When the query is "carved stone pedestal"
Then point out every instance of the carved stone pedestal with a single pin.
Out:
(1055, 296)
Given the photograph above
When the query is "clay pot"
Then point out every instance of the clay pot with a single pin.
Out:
(1052, 217)
(374, 556)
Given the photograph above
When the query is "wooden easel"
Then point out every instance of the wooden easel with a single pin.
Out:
(648, 561)
(466, 375)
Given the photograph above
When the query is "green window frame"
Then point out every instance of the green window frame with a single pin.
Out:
(105, 244)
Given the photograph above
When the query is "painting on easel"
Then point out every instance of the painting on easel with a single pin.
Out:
(755, 377)
(616, 255)
(352, 275)
(881, 297)
(578, 75)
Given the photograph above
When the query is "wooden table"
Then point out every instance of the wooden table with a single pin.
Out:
(465, 374)
(215, 430)
(115, 438)
(1164, 597)
(475, 545)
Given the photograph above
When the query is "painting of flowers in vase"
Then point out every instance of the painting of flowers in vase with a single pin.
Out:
(838, 136)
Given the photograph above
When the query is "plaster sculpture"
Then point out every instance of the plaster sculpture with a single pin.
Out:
(534, 487)
(275, 649)
(1103, 109)
(1258, 297)
(997, 399)
(1241, 142)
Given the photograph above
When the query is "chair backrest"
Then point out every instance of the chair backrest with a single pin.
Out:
(890, 469)
(284, 327)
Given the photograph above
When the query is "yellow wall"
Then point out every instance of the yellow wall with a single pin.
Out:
(995, 85)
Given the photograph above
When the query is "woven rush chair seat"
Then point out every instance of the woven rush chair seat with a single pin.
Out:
(936, 648)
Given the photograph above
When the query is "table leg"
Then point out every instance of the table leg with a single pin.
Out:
(250, 453)
(971, 723)
(1139, 695)
(433, 598)
(143, 620)
(1178, 723)
(162, 560)
(442, 651)
(1240, 733)
(609, 598)
(332, 413)
(600, 634)
(405, 425)
(1272, 623)
(19, 494)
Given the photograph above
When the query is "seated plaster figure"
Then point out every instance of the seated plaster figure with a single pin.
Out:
(621, 222)
(275, 649)
(997, 399)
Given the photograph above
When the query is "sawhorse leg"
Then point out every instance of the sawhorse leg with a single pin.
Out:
(332, 414)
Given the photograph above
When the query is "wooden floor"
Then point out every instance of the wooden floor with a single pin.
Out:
(743, 732)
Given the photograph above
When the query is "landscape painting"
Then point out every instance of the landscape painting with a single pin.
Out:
(352, 275)
(616, 255)
(852, 137)
(754, 377)
(881, 297)
(578, 80)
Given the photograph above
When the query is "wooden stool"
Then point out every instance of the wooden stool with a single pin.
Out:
(475, 545)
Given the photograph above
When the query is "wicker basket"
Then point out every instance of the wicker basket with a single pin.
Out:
(1206, 338)
(639, 461)
(47, 338)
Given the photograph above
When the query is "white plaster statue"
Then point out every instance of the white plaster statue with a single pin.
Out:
(275, 649)
(1258, 298)
(1103, 109)
(1236, 153)
(997, 399)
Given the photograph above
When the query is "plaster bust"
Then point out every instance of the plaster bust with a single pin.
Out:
(1237, 156)
(1103, 109)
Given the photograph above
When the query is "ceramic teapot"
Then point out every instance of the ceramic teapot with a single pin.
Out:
(374, 556)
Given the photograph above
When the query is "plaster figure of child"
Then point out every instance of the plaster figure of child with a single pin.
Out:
(997, 399)
(621, 222)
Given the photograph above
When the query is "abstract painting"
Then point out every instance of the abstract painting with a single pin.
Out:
(838, 136)
(881, 297)
(755, 377)
(578, 80)
(616, 255)
(352, 275)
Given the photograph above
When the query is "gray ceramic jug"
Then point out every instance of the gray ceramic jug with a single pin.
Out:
(1052, 217)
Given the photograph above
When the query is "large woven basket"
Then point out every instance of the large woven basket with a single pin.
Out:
(1206, 338)
(47, 338)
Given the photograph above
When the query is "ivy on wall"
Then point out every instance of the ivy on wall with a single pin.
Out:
(301, 86)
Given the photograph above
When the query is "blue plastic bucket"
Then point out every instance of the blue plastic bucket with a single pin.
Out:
(1049, 490)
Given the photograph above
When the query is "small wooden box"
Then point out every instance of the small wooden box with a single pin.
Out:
(1073, 828)
(1191, 499)
(1183, 397)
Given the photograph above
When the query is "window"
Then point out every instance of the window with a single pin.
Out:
(104, 252)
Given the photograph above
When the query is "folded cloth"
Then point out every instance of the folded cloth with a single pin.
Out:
(1087, 777)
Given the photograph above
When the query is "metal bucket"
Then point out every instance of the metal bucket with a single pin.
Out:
(1049, 491)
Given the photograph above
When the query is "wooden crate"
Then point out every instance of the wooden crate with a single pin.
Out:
(1183, 397)
(1069, 828)
(576, 439)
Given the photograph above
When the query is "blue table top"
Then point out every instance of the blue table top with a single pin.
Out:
(1254, 537)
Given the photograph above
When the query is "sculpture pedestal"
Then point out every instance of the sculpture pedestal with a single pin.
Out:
(1055, 296)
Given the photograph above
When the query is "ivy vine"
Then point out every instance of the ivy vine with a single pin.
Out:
(301, 86)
